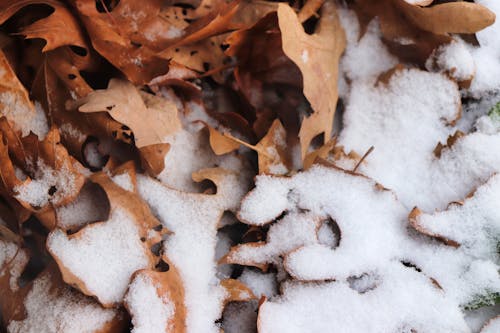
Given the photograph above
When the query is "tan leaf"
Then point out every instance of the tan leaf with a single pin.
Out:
(272, 151)
(317, 56)
(221, 144)
(169, 290)
(15, 104)
(150, 119)
(452, 17)
(153, 158)
(236, 291)
(111, 250)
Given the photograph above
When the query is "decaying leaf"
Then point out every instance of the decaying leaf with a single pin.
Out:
(317, 56)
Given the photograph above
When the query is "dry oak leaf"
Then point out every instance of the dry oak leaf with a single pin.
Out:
(193, 219)
(317, 56)
(294, 230)
(15, 104)
(49, 176)
(271, 149)
(452, 17)
(60, 28)
(47, 304)
(54, 175)
(155, 300)
(101, 257)
(150, 119)
(413, 32)
(138, 62)
(470, 224)
(373, 217)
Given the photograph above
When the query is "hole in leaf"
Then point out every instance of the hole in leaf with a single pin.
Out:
(156, 249)
(92, 156)
(52, 190)
(162, 266)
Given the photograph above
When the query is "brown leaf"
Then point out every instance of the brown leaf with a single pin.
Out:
(74, 252)
(221, 144)
(451, 17)
(236, 291)
(47, 302)
(15, 104)
(150, 118)
(138, 62)
(317, 56)
(272, 151)
(413, 32)
(169, 288)
(153, 158)
(58, 29)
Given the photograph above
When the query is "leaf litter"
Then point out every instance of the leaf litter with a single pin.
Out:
(249, 166)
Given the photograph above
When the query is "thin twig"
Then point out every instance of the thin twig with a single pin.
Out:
(363, 158)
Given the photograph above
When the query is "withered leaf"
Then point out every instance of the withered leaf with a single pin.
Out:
(318, 57)
(150, 119)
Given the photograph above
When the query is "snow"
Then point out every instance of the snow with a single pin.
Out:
(261, 284)
(492, 326)
(103, 255)
(365, 57)
(12, 261)
(193, 219)
(23, 116)
(188, 153)
(415, 110)
(476, 319)
(38, 191)
(454, 59)
(293, 231)
(151, 313)
(372, 217)
(52, 308)
(406, 302)
(487, 78)
(90, 205)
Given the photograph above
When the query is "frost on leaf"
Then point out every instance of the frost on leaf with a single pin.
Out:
(100, 258)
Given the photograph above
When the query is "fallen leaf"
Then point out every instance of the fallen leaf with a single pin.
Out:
(167, 290)
(111, 250)
(272, 151)
(317, 56)
(150, 119)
